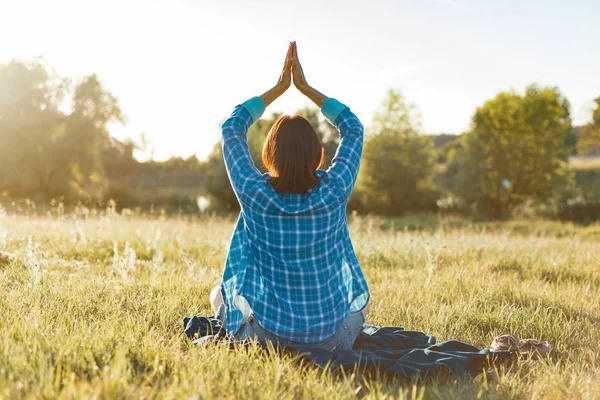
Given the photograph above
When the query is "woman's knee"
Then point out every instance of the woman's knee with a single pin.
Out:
(216, 299)
(364, 311)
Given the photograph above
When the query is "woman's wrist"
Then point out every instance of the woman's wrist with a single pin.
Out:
(305, 89)
(279, 89)
(272, 94)
(317, 97)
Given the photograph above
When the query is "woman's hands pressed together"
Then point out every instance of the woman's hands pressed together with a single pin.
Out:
(284, 81)
(292, 67)
(299, 78)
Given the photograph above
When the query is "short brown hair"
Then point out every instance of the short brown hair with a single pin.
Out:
(292, 153)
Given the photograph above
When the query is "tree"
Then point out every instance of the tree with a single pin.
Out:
(86, 136)
(515, 152)
(443, 144)
(588, 142)
(30, 126)
(217, 183)
(398, 162)
(118, 160)
(45, 153)
(145, 148)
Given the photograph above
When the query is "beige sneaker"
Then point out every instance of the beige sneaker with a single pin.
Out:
(505, 343)
(534, 348)
(6, 258)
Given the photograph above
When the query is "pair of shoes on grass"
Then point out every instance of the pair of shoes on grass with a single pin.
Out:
(533, 349)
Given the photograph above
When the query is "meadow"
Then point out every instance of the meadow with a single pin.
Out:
(91, 306)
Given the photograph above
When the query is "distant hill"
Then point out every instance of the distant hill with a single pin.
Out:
(439, 140)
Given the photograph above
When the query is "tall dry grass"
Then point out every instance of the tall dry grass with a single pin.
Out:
(91, 305)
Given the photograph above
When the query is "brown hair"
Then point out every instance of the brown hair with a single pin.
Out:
(292, 153)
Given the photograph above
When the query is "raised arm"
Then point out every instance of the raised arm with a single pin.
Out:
(346, 163)
(234, 132)
(240, 167)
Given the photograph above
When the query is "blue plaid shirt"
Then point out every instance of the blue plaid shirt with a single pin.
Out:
(290, 256)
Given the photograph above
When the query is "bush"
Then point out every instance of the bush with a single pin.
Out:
(581, 204)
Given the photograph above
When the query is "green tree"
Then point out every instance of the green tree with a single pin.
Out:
(398, 162)
(118, 160)
(217, 183)
(588, 142)
(86, 137)
(30, 127)
(515, 152)
(45, 153)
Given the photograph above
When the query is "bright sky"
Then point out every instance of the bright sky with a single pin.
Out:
(180, 66)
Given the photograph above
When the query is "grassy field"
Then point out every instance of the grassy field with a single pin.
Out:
(585, 162)
(93, 307)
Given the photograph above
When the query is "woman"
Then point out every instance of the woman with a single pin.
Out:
(291, 275)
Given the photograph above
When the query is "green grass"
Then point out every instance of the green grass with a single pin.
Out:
(88, 323)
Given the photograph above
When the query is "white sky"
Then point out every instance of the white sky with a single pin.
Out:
(179, 67)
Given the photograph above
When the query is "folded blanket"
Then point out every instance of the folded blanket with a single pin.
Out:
(393, 350)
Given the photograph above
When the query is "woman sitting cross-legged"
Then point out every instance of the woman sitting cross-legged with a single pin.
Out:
(291, 275)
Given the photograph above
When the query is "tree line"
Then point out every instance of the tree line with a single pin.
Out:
(55, 144)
